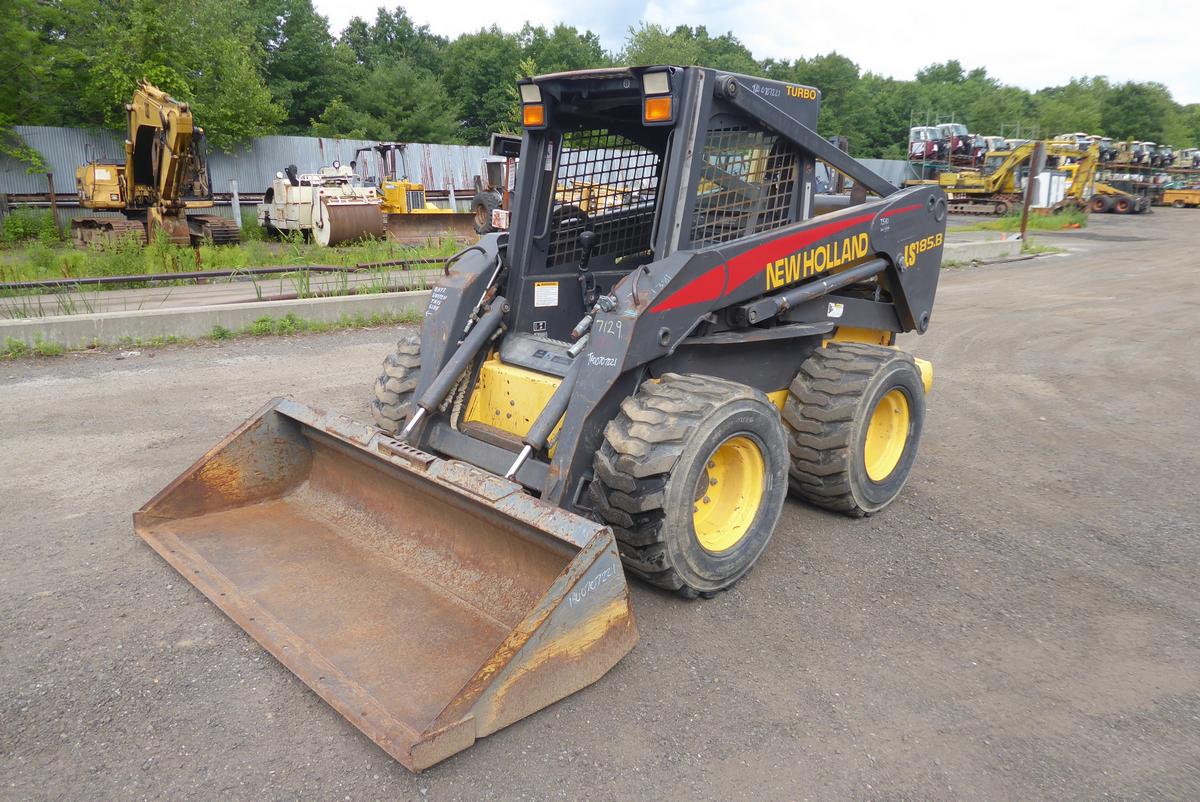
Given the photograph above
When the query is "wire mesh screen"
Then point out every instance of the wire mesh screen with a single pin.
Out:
(605, 184)
(746, 185)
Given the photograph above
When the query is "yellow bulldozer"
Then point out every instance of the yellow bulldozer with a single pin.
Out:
(164, 175)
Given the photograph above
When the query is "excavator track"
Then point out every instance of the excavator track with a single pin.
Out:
(985, 207)
(102, 232)
(213, 228)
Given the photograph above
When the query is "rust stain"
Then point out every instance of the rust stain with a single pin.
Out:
(222, 476)
(573, 644)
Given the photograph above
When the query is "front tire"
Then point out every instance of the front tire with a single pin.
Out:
(394, 388)
(854, 415)
(692, 476)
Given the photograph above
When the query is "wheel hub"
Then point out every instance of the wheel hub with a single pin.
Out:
(729, 492)
(887, 435)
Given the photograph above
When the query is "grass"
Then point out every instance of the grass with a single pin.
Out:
(1030, 247)
(32, 254)
(29, 225)
(289, 324)
(1069, 218)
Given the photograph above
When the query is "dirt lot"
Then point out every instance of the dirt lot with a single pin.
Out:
(1023, 623)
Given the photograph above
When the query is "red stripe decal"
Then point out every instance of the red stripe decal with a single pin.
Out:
(901, 210)
(711, 285)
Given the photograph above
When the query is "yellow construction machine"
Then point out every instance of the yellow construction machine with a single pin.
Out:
(164, 175)
(997, 187)
(410, 217)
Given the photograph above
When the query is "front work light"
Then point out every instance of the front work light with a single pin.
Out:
(656, 83)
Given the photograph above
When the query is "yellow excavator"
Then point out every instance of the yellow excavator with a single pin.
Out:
(163, 175)
(995, 189)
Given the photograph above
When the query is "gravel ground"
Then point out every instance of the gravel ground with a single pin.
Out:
(1023, 623)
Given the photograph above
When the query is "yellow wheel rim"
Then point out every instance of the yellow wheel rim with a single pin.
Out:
(729, 493)
(887, 435)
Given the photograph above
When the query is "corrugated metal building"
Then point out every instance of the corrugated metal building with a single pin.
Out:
(439, 167)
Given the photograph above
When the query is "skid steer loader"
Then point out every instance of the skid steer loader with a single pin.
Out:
(637, 384)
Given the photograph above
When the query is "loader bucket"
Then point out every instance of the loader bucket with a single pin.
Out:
(429, 602)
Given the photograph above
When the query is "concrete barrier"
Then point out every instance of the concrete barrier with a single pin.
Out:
(105, 328)
(980, 250)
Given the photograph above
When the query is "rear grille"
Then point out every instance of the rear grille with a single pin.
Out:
(605, 184)
(416, 199)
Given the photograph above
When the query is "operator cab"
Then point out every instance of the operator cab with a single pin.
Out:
(603, 202)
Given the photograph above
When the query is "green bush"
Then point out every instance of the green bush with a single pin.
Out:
(25, 225)
(262, 327)
(13, 348)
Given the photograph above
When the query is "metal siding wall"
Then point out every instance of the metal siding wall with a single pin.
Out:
(439, 167)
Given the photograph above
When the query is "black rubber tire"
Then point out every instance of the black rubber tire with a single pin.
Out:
(394, 388)
(826, 413)
(1101, 203)
(654, 453)
(1178, 204)
(481, 206)
(1124, 205)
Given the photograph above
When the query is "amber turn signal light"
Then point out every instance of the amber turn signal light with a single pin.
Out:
(657, 109)
(533, 115)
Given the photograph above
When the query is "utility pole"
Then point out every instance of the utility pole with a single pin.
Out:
(1035, 167)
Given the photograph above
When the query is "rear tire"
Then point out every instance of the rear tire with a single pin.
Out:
(854, 416)
(1178, 204)
(394, 388)
(692, 476)
(1123, 205)
(481, 206)
(1101, 204)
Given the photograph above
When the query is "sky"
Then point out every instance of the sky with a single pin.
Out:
(1021, 42)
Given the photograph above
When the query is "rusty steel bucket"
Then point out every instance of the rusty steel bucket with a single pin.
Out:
(429, 602)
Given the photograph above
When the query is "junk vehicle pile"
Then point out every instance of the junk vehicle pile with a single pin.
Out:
(627, 384)
(985, 173)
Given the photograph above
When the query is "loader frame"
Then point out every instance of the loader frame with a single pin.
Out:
(749, 307)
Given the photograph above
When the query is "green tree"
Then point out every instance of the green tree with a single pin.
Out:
(1141, 111)
(653, 44)
(396, 101)
(301, 67)
(477, 68)
(1075, 106)
(562, 48)
(392, 35)
(198, 52)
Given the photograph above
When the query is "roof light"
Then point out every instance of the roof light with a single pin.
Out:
(531, 93)
(533, 115)
(656, 83)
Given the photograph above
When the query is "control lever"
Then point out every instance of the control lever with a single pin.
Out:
(587, 282)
